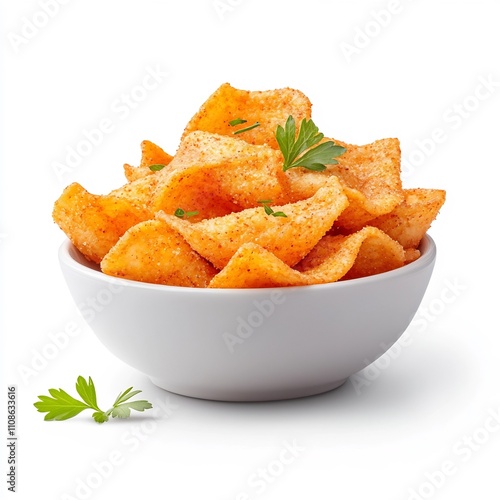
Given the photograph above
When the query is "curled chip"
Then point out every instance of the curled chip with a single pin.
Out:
(290, 238)
(94, 223)
(152, 252)
(151, 155)
(212, 171)
(411, 219)
(366, 252)
(267, 108)
(370, 175)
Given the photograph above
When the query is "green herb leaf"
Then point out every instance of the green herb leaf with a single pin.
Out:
(125, 396)
(156, 168)
(182, 213)
(123, 410)
(315, 158)
(100, 417)
(238, 121)
(62, 406)
(269, 210)
(246, 129)
(87, 392)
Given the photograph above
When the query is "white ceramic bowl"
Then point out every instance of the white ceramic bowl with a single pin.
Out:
(252, 344)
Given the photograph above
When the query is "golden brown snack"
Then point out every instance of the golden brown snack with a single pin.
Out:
(367, 252)
(370, 175)
(152, 252)
(290, 238)
(411, 219)
(269, 108)
(216, 175)
(94, 223)
(151, 155)
(261, 211)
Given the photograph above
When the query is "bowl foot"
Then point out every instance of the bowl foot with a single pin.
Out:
(247, 395)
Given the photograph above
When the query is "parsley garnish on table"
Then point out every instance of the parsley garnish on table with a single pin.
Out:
(61, 406)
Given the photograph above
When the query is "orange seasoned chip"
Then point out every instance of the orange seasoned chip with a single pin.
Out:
(151, 155)
(139, 193)
(268, 109)
(94, 223)
(367, 252)
(411, 219)
(154, 253)
(411, 254)
(370, 175)
(255, 267)
(192, 190)
(364, 253)
(216, 175)
(290, 237)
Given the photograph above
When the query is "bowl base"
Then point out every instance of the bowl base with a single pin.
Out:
(248, 396)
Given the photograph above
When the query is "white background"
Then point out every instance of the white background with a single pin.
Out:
(418, 74)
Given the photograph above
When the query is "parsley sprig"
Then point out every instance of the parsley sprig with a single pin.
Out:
(156, 167)
(239, 121)
(315, 158)
(269, 210)
(181, 213)
(62, 406)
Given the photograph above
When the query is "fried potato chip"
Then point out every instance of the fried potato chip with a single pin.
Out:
(192, 189)
(335, 257)
(151, 155)
(139, 193)
(269, 108)
(411, 219)
(364, 253)
(154, 253)
(255, 267)
(290, 238)
(208, 166)
(94, 223)
(411, 254)
(370, 175)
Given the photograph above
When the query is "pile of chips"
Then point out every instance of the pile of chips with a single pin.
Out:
(206, 217)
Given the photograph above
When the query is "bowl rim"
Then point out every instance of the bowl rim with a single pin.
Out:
(71, 258)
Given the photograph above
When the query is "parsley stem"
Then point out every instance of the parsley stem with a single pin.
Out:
(246, 129)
